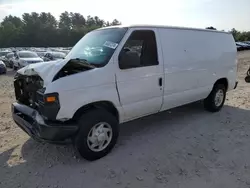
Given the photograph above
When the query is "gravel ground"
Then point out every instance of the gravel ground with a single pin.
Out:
(186, 147)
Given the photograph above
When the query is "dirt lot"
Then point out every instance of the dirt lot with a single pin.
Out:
(184, 148)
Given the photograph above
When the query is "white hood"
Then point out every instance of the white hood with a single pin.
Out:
(46, 70)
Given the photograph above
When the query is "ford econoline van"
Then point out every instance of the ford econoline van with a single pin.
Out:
(117, 74)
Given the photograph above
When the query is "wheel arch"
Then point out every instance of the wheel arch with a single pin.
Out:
(107, 105)
(223, 81)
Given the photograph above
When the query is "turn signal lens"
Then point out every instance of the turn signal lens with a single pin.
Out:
(50, 99)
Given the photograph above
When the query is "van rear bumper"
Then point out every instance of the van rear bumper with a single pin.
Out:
(31, 122)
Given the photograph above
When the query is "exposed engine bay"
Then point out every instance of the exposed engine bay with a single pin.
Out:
(29, 85)
(28, 88)
(74, 66)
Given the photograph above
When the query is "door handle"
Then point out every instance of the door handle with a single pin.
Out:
(160, 82)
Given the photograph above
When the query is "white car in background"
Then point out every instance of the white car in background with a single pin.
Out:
(52, 56)
(23, 58)
(3, 68)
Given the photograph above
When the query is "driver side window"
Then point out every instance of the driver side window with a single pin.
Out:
(140, 50)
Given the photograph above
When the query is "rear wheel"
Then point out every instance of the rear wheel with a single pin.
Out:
(215, 101)
(98, 134)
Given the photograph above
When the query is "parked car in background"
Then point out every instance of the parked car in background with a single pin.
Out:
(244, 46)
(3, 68)
(240, 48)
(23, 58)
(51, 56)
(65, 51)
(41, 54)
(3, 54)
(247, 42)
(9, 60)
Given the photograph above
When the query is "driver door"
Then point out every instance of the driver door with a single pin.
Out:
(139, 75)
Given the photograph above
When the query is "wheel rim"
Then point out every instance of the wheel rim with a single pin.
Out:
(99, 136)
(219, 97)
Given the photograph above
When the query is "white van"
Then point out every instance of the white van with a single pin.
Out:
(117, 74)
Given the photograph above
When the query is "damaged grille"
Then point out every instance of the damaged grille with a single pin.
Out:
(28, 90)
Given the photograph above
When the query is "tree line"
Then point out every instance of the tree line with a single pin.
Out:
(44, 30)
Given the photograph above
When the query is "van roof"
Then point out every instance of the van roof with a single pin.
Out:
(165, 26)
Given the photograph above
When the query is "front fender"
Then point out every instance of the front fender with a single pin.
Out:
(72, 100)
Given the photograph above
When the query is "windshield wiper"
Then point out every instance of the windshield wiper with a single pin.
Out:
(84, 62)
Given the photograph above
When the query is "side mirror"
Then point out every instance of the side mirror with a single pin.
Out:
(247, 79)
(122, 61)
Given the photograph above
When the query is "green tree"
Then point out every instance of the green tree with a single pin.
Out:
(17, 22)
(211, 27)
(65, 21)
(77, 20)
(236, 34)
(48, 30)
(43, 29)
(115, 22)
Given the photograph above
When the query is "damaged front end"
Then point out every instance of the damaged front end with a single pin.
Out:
(28, 90)
(36, 110)
(35, 114)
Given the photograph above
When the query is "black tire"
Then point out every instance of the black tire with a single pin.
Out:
(14, 68)
(86, 122)
(210, 101)
(248, 72)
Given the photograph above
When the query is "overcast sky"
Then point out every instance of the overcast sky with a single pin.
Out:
(222, 14)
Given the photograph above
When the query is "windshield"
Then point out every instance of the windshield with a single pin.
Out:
(98, 46)
(27, 54)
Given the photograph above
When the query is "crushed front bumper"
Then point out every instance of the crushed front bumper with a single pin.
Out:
(30, 121)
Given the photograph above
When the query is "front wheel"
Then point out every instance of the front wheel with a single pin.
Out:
(98, 134)
(216, 99)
